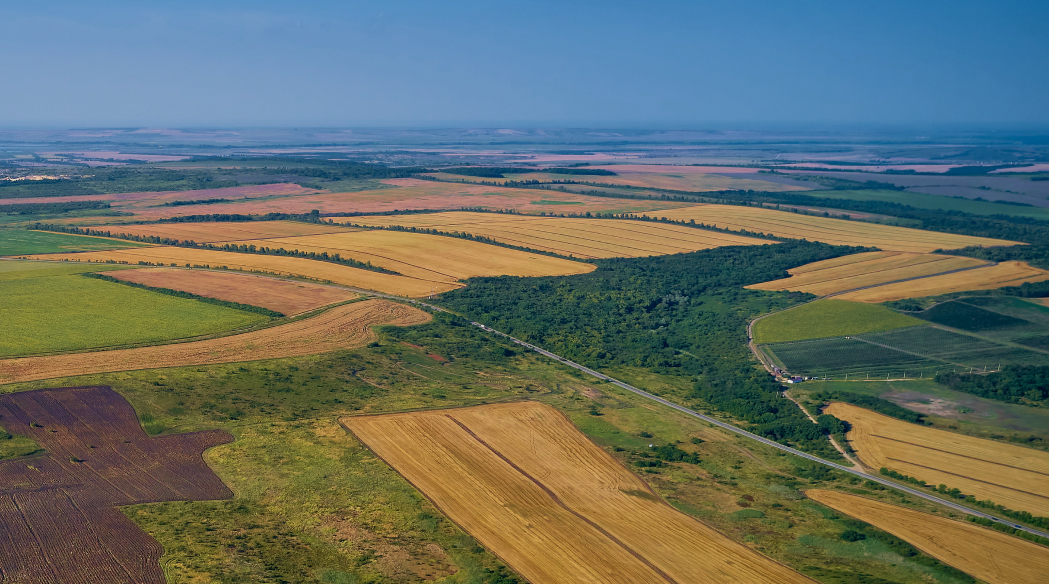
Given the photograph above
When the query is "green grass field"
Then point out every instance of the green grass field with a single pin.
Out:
(829, 318)
(50, 307)
(927, 201)
(20, 241)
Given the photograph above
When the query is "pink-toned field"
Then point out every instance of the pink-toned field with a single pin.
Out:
(289, 298)
(132, 202)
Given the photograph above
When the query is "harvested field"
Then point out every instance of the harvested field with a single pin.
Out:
(991, 556)
(409, 193)
(223, 231)
(342, 327)
(433, 258)
(286, 297)
(1013, 476)
(58, 512)
(138, 202)
(825, 229)
(582, 238)
(280, 265)
(1010, 273)
(870, 269)
(526, 483)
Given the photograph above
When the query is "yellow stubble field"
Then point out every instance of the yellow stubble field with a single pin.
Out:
(825, 229)
(581, 238)
(991, 556)
(868, 269)
(341, 327)
(526, 483)
(280, 265)
(211, 231)
(1013, 476)
(1011, 273)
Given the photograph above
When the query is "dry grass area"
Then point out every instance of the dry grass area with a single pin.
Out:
(342, 327)
(527, 484)
(582, 238)
(1009, 475)
(870, 269)
(1011, 273)
(991, 556)
(279, 265)
(211, 232)
(825, 229)
(283, 296)
(433, 258)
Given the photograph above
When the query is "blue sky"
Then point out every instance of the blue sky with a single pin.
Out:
(679, 64)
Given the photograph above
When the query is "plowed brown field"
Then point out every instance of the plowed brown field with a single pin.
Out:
(289, 298)
(342, 327)
(1004, 274)
(1013, 476)
(582, 238)
(989, 555)
(871, 269)
(281, 265)
(527, 484)
(825, 229)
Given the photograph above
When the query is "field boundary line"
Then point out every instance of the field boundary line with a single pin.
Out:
(954, 474)
(553, 496)
(987, 265)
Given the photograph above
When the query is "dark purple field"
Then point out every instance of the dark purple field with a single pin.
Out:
(59, 516)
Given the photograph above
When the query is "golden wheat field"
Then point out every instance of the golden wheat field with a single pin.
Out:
(342, 327)
(280, 265)
(1013, 476)
(283, 296)
(581, 238)
(869, 269)
(825, 229)
(675, 178)
(527, 484)
(432, 257)
(1010, 273)
(991, 556)
(211, 232)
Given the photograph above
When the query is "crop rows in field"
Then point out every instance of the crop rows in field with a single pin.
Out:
(582, 238)
(526, 483)
(1006, 474)
(1010, 273)
(991, 556)
(825, 229)
(911, 352)
(58, 512)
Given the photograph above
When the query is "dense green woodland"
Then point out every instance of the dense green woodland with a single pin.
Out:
(1018, 384)
(683, 314)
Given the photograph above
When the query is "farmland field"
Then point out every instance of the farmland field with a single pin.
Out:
(828, 318)
(582, 238)
(825, 229)
(211, 232)
(912, 351)
(280, 265)
(675, 178)
(870, 269)
(58, 511)
(1011, 273)
(286, 297)
(989, 555)
(95, 313)
(938, 202)
(1012, 476)
(15, 242)
(431, 258)
(338, 328)
(531, 487)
